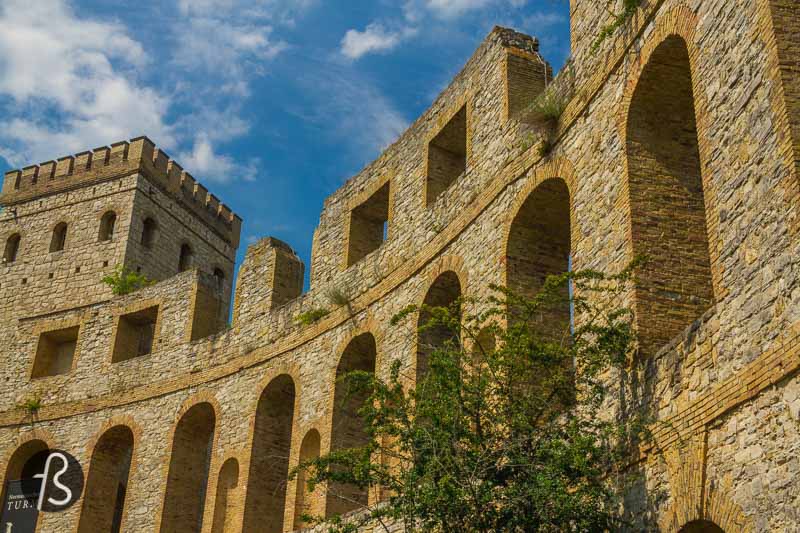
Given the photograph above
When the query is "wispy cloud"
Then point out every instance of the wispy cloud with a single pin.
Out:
(72, 83)
(203, 160)
(234, 52)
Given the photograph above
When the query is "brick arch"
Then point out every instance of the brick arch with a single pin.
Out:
(169, 520)
(224, 514)
(307, 502)
(104, 456)
(540, 240)
(446, 282)
(36, 434)
(359, 351)
(670, 198)
(680, 21)
(559, 168)
(272, 428)
(36, 440)
(694, 496)
(445, 263)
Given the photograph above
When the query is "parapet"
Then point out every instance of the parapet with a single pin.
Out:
(122, 159)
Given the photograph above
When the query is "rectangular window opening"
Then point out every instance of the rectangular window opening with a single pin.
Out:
(447, 156)
(55, 352)
(369, 225)
(135, 334)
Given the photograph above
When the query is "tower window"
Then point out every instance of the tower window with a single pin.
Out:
(185, 260)
(219, 278)
(55, 352)
(12, 248)
(135, 334)
(149, 228)
(107, 224)
(447, 156)
(59, 239)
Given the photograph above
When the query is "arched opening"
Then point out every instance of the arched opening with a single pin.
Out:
(701, 526)
(226, 501)
(12, 488)
(107, 224)
(59, 239)
(185, 259)
(107, 482)
(219, 278)
(11, 249)
(265, 504)
(444, 292)
(305, 502)
(348, 430)
(668, 215)
(539, 246)
(149, 229)
(187, 479)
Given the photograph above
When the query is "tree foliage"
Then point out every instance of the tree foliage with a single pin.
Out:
(510, 428)
(124, 281)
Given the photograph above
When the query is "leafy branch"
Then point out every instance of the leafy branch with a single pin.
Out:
(125, 281)
(618, 20)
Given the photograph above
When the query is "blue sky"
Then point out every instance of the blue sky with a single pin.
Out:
(272, 104)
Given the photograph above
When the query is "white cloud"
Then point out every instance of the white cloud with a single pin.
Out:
(203, 161)
(375, 38)
(233, 51)
(347, 107)
(277, 11)
(66, 93)
(541, 19)
(455, 8)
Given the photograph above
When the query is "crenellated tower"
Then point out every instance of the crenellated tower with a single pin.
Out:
(66, 224)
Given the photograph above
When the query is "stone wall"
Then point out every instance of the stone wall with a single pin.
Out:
(724, 387)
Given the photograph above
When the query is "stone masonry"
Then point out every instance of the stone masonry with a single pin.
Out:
(680, 140)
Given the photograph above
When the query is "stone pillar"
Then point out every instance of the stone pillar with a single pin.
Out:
(270, 276)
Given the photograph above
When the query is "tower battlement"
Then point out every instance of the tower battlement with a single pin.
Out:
(139, 155)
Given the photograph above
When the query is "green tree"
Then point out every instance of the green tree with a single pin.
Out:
(510, 429)
(125, 281)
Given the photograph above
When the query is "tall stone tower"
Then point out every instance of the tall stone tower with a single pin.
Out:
(68, 223)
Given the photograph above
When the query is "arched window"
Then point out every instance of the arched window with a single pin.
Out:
(107, 482)
(265, 503)
(305, 502)
(348, 427)
(668, 214)
(107, 224)
(149, 229)
(59, 238)
(219, 278)
(12, 249)
(539, 246)
(27, 459)
(185, 259)
(226, 499)
(444, 292)
(187, 480)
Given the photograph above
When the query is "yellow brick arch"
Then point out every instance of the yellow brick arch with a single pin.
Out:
(558, 168)
(679, 21)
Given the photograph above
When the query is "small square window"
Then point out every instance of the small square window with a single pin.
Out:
(135, 334)
(369, 225)
(447, 156)
(55, 352)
